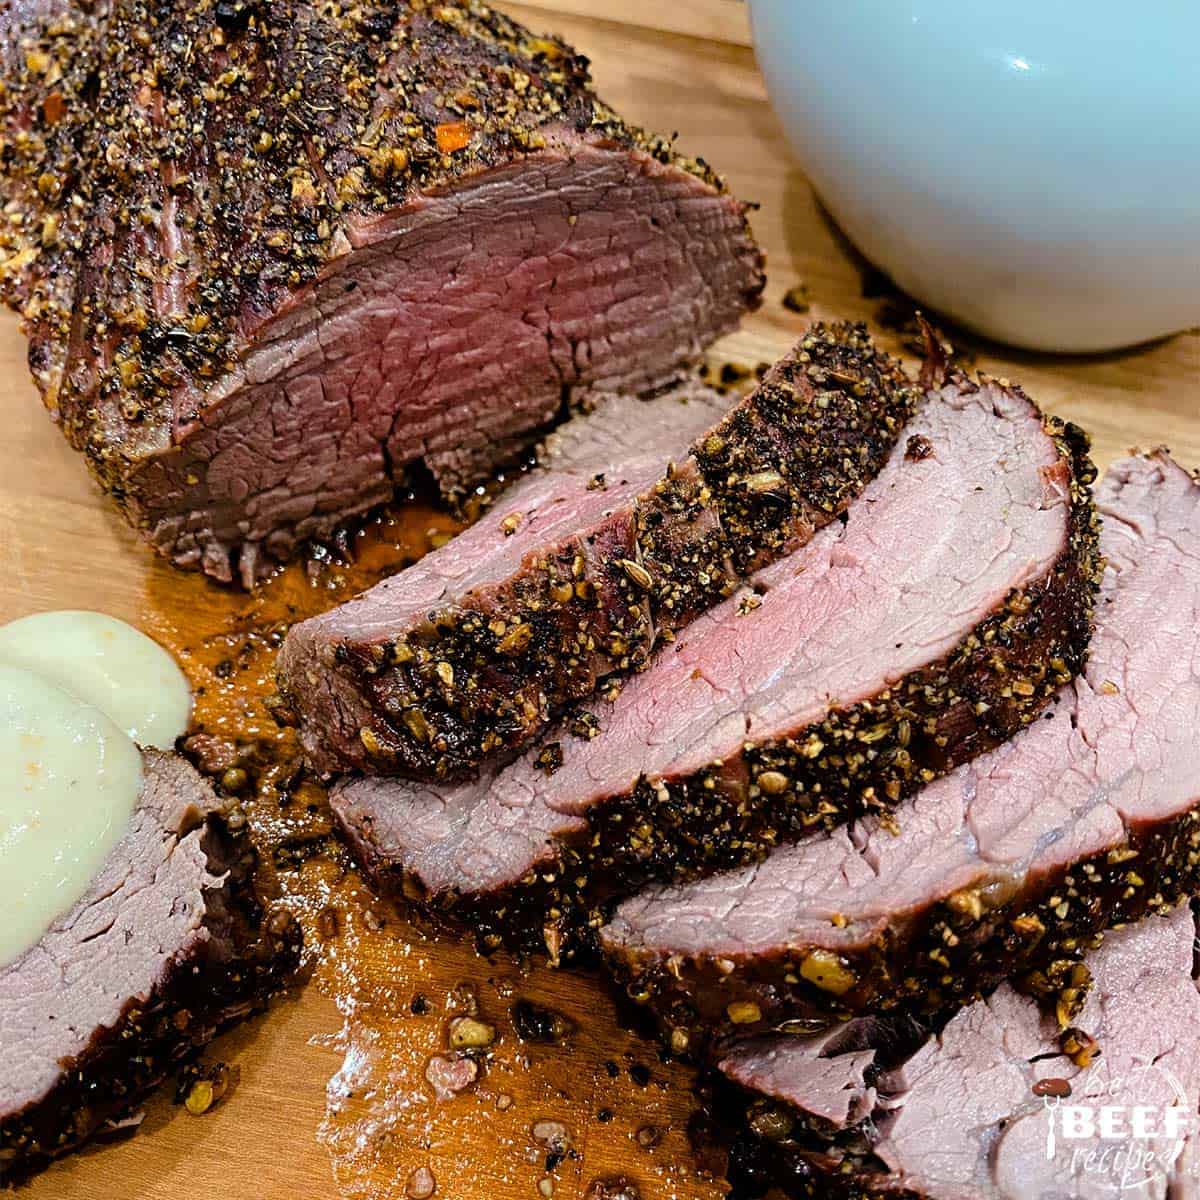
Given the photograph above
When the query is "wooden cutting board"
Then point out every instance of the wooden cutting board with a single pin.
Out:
(330, 1099)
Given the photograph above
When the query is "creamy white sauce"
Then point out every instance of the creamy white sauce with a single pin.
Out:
(71, 782)
(107, 664)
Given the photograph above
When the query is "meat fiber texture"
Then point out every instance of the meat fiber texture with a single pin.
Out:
(995, 1107)
(1010, 864)
(951, 606)
(465, 657)
(270, 256)
(161, 952)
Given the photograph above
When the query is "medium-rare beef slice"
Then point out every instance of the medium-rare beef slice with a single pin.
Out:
(1011, 864)
(270, 255)
(976, 1112)
(339, 674)
(942, 617)
(166, 947)
(829, 1076)
(469, 654)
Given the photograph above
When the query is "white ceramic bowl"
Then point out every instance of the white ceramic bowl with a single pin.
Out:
(1029, 167)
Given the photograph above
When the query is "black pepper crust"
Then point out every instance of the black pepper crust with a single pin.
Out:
(805, 1174)
(951, 952)
(769, 1144)
(248, 959)
(174, 174)
(861, 759)
(483, 677)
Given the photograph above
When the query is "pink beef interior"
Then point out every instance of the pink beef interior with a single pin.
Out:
(447, 332)
(932, 547)
(622, 428)
(824, 1075)
(550, 507)
(961, 1120)
(1119, 749)
(552, 504)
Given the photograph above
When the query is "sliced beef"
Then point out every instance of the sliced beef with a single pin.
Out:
(469, 653)
(164, 949)
(1089, 818)
(270, 255)
(345, 676)
(978, 1112)
(939, 620)
(830, 1076)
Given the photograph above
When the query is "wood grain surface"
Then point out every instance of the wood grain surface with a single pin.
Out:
(331, 1099)
(714, 20)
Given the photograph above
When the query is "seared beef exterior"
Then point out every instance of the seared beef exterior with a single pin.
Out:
(270, 255)
(945, 614)
(975, 1113)
(166, 948)
(470, 653)
(1010, 865)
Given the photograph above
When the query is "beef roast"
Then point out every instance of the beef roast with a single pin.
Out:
(977, 1112)
(470, 652)
(1089, 818)
(164, 949)
(940, 619)
(270, 255)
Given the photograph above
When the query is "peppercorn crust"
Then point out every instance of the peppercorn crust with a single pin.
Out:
(942, 956)
(864, 758)
(807, 1175)
(247, 959)
(482, 677)
(799, 1164)
(177, 177)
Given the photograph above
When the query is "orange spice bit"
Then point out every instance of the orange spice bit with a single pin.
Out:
(53, 108)
(453, 136)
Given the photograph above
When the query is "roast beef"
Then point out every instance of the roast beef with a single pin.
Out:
(980, 1111)
(469, 653)
(271, 255)
(164, 949)
(1010, 864)
(939, 620)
